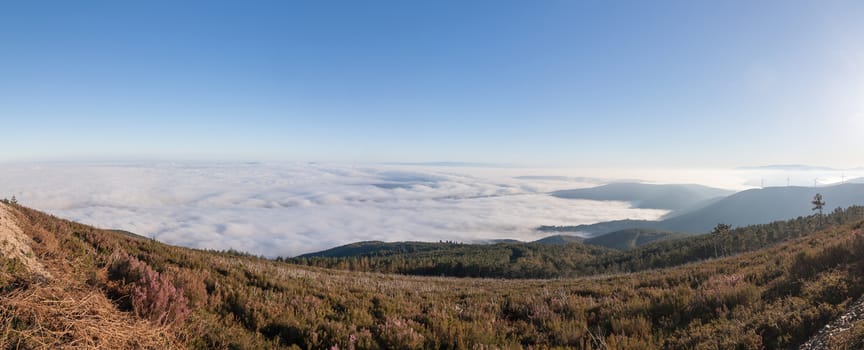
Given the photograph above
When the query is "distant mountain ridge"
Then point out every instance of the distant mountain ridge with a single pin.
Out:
(619, 240)
(858, 180)
(750, 207)
(564, 255)
(378, 248)
(793, 167)
(758, 206)
(647, 196)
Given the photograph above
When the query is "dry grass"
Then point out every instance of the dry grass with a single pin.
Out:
(775, 297)
(47, 308)
(54, 316)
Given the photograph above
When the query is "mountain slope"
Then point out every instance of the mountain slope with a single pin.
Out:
(46, 304)
(632, 238)
(671, 197)
(757, 206)
(775, 298)
(533, 260)
(764, 205)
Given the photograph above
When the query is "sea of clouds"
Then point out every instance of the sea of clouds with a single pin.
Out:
(286, 209)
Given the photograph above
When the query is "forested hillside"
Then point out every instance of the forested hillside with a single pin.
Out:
(533, 260)
(632, 238)
(806, 273)
(509, 260)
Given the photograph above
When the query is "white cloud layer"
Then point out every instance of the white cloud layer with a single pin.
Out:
(285, 209)
(294, 208)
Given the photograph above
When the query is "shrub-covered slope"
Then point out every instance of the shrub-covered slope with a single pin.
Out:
(533, 260)
(46, 301)
(775, 297)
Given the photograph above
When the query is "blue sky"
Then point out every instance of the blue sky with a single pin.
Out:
(552, 83)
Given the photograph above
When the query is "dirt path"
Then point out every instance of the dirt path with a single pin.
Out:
(854, 312)
(14, 244)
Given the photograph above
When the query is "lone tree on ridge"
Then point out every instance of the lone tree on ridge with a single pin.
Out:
(818, 203)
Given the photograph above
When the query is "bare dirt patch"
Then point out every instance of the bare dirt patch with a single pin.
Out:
(14, 244)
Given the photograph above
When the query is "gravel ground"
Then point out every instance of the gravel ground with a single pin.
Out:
(854, 312)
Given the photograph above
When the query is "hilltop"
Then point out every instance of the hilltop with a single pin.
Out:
(505, 259)
(560, 239)
(768, 286)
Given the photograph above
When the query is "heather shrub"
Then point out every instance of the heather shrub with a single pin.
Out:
(193, 286)
(47, 244)
(630, 326)
(155, 297)
(152, 295)
(516, 309)
(832, 287)
(729, 291)
(771, 299)
(13, 274)
(125, 269)
(398, 333)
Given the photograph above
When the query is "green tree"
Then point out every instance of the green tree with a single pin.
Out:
(721, 228)
(818, 203)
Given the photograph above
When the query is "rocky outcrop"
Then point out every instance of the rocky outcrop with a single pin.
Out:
(821, 340)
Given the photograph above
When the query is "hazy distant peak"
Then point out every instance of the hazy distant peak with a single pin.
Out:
(454, 164)
(655, 196)
(789, 167)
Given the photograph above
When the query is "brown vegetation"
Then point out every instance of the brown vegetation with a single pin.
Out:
(38, 311)
(53, 316)
(774, 298)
